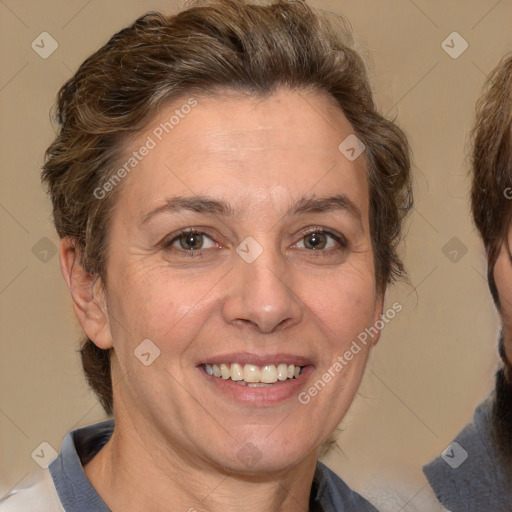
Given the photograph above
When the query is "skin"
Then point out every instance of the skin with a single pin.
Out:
(503, 279)
(177, 437)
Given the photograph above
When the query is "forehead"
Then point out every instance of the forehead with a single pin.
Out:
(246, 148)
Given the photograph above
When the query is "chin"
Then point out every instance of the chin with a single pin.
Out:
(263, 457)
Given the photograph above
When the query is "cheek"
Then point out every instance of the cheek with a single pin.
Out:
(344, 303)
(503, 279)
(505, 294)
(158, 304)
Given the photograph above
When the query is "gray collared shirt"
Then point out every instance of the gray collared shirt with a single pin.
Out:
(76, 494)
(471, 477)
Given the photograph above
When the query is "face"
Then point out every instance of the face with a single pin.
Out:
(503, 390)
(503, 280)
(240, 245)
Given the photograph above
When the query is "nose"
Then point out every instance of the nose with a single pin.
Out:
(262, 294)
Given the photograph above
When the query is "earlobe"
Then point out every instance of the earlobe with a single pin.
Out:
(88, 298)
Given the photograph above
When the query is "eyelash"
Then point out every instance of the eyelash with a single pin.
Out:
(338, 238)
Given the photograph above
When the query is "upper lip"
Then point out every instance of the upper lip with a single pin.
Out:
(257, 359)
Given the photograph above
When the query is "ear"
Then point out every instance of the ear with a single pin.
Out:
(88, 297)
(379, 308)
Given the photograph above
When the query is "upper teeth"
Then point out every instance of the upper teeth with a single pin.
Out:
(268, 373)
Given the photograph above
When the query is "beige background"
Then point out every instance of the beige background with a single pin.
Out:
(434, 362)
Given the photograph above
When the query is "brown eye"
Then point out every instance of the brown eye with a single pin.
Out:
(322, 240)
(191, 241)
(315, 240)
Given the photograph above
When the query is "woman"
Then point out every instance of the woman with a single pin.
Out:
(229, 204)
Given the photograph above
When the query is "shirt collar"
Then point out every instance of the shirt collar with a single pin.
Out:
(328, 493)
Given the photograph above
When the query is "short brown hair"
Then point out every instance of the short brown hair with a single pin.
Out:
(221, 46)
(491, 204)
(491, 189)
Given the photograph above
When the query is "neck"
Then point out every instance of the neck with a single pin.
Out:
(131, 473)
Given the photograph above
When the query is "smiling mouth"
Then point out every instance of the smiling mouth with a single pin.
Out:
(253, 375)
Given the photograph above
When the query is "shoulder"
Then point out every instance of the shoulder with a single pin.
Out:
(468, 472)
(64, 484)
(34, 493)
(332, 493)
(398, 492)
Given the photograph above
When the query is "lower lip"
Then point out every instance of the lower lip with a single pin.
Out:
(261, 396)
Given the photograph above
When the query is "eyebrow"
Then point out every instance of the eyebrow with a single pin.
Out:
(338, 202)
(199, 204)
(205, 204)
